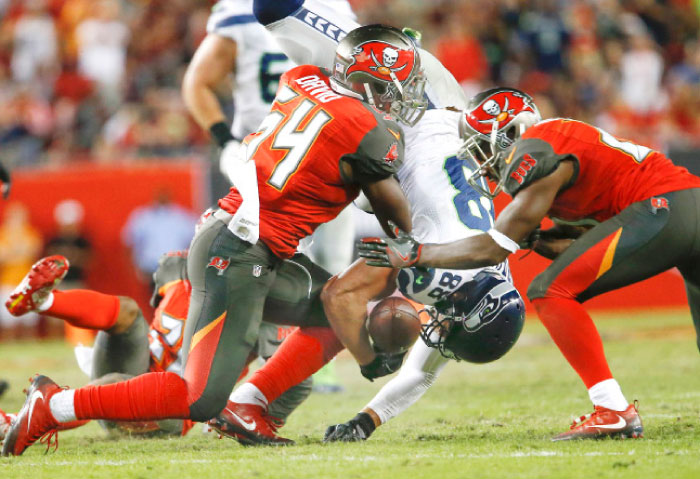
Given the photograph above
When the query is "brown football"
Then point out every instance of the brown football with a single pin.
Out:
(393, 325)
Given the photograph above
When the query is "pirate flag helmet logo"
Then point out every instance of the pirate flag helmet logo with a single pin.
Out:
(494, 120)
(380, 65)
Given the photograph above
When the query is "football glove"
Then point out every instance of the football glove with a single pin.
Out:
(358, 428)
(382, 365)
(531, 239)
(400, 252)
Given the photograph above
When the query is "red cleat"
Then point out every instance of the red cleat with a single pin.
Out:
(34, 421)
(248, 424)
(36, 286)
(604, 422)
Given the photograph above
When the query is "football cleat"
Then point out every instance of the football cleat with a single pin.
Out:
(248, 424)
(5, 423)
(36, 286)
(604, 422)
(34, 421)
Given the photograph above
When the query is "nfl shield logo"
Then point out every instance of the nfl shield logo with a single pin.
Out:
(257, 270)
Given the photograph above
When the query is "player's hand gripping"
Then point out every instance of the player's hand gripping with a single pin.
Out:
(382, 365)
(400, 252)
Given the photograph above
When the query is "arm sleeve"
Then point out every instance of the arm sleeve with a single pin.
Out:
(379, 155)
(528, 160)
(422, 367)
(310, 34)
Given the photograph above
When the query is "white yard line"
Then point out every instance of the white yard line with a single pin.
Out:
(354, 459)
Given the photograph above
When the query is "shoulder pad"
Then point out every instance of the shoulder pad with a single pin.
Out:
(527, 161)
(380, 153)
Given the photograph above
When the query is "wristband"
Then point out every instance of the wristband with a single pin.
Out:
(221, 133)
(503, 241)
(365, 422)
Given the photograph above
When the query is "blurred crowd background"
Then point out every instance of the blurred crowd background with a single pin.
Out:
(99, 80)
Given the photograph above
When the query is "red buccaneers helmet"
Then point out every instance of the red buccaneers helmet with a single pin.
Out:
(491, 123)
(380, 65)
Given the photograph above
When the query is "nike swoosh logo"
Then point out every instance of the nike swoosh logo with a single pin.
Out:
(618, 425)
(250, 426)
(510, 156)
(395, 134)
(36, 395)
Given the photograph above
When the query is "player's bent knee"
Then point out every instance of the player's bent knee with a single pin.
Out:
(269, 11)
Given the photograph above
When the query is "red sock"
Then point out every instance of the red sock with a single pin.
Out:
(85, 309)
(573, 331)
(304, 352)
(146, 397)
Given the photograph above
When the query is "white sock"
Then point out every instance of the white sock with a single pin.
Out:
(48, 302)
(248, 393)
(608, 394)
(62, 406)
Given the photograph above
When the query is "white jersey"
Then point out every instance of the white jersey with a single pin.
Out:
(259, 60)
(444, 207)
(259, 63)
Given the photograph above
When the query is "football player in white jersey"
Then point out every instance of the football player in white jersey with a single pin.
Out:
(443, 206)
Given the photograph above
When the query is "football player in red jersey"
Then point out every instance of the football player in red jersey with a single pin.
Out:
(325, 139)
(638, 210)
(126, 346)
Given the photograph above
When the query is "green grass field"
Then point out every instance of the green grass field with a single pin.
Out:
(489, 421)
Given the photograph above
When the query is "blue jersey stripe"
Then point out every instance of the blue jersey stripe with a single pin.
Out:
(236, 20)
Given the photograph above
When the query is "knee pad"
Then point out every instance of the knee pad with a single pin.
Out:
(269, 11)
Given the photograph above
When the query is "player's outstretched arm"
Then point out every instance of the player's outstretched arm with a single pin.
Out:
(513, 225)
(418, 374)
(389, 204)
(212, 62)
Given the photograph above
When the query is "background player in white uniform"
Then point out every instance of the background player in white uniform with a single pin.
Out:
(443, 206)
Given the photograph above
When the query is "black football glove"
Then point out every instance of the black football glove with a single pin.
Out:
(531, 239)
(358, 428)
(383, 364)
(5, 181)
(399, 252)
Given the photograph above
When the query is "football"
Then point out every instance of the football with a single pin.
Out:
(393, 325)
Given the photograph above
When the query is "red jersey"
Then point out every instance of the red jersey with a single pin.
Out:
(610, 174)
(168, 326)
(297, 152)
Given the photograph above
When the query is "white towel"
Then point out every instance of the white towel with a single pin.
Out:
(242, 174)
